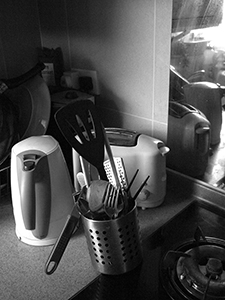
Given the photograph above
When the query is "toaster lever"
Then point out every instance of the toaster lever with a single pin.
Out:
(163, 149)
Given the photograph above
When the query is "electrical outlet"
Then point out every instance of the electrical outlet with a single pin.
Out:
(94, 77)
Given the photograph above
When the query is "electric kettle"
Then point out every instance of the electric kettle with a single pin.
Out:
(41, 190)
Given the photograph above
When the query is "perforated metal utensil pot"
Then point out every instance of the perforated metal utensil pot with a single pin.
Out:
(114, 245)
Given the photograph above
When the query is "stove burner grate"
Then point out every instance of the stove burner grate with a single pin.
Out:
(195, 269)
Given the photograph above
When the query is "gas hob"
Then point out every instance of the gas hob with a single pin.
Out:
(184, 259)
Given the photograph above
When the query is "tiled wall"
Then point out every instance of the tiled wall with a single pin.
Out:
(126, 41)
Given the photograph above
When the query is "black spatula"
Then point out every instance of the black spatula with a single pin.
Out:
(81, 126)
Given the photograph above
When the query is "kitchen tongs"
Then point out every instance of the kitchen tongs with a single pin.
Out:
(82, 128)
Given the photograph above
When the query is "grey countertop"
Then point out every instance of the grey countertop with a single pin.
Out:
(22, 266)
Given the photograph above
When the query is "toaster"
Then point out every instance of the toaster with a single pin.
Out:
(138, 152)
(206, 97)
(188, 139)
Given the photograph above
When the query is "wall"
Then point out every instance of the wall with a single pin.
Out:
(128, 43)
(19, 37)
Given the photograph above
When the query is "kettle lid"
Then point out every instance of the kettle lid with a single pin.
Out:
(44, 143)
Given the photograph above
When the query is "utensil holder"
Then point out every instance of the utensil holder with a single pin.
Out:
(114, 245)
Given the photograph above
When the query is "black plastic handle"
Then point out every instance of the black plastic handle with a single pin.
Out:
(61, 243)
(17, 81)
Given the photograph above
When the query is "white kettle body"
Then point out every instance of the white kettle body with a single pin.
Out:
(41, 188)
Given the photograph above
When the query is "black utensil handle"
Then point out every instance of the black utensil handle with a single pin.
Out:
(131, 182)
(15, 82)
(102, 173)
(60, 245)
(140, 188)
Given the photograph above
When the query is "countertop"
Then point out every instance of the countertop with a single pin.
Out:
(22, 266)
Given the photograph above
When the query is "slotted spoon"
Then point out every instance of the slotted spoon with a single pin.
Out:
(81, 126)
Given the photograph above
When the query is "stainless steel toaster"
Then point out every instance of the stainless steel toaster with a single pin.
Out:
(188, 139)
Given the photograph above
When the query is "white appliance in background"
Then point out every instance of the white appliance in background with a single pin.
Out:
(138, 151)
(41, 190)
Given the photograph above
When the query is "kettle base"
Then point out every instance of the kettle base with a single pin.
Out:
(35, 242)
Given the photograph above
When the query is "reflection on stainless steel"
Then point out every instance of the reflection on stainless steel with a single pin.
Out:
(198, 54)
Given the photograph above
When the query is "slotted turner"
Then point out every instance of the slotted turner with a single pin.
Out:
(81, 126)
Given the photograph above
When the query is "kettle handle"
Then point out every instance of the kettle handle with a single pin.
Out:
(28, 195)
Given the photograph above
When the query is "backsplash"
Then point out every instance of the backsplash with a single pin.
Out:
(126, 42)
